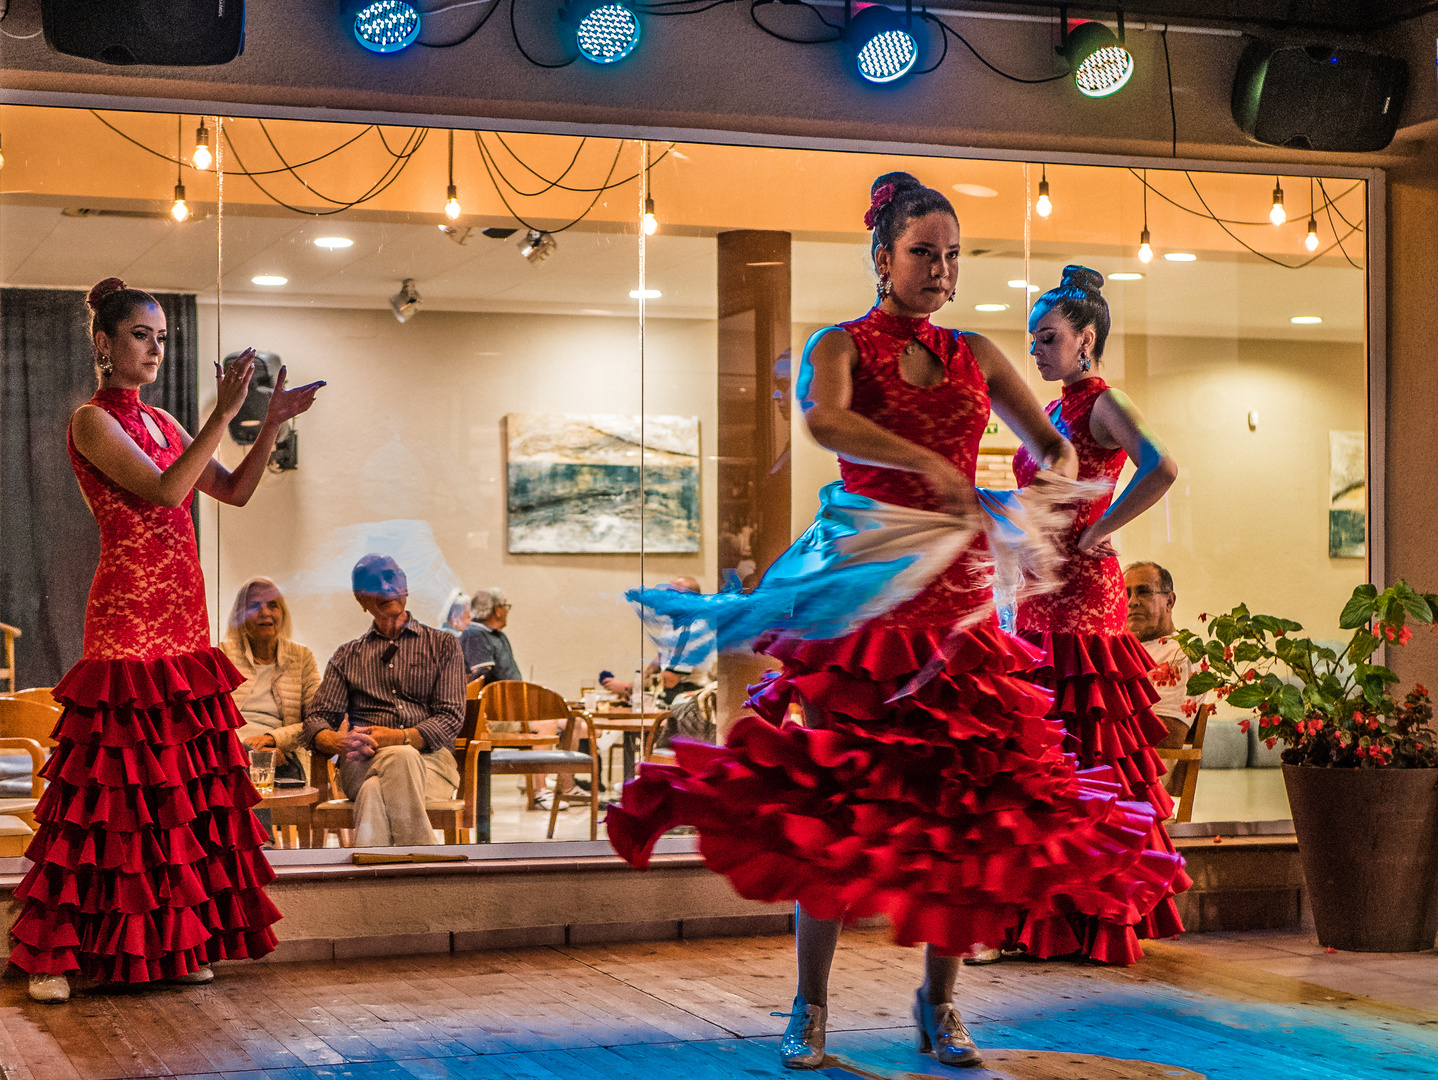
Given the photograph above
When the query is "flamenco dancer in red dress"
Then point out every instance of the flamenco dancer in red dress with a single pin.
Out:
(1097, 670)
(147, 865)
(951, 809)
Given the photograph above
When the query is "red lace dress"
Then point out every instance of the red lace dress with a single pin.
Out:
(146, 861)
(1098, 673)
(952, 810)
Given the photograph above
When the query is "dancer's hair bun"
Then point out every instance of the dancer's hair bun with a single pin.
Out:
(103, 289)
(901, 181)
(1081, 277)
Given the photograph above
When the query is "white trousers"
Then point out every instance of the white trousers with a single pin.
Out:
(389, 792)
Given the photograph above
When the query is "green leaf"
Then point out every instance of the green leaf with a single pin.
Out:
(1214, 649)
(1362, 646)
(1246, 652)
(1247, 697)
(1201, 682)
(1359, 609)
(1226, 630)
(1364, 672)
(1289, 702)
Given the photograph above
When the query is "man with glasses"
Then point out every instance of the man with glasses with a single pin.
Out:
(487, 651)
(1150, 619)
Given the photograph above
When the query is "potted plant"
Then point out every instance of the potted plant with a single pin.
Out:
(1360, 764)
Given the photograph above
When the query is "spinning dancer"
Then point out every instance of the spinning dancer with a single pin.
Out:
(1097, 670)
(936, 793)
(147, 862)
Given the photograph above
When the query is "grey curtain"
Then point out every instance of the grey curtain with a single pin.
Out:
(49, 543)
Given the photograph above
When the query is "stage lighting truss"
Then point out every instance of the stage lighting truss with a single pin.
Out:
(1100, 63)
(604, 31)
(387, 26)
(883, 42)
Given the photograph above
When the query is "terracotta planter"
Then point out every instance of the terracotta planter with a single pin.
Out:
(1368, 840)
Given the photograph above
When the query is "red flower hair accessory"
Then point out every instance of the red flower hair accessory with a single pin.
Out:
(883, 196)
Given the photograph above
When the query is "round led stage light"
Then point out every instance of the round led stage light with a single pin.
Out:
(607, 33)
(387, 26)
(1100, 63)
(885, 49)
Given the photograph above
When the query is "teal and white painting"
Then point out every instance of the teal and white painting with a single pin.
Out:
(574, 483)
(1347, 495)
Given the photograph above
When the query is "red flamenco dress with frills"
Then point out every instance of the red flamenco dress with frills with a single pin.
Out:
(1098, 673)
(952, 810)
(147, 861)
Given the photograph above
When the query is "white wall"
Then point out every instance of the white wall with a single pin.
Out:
(410, 427)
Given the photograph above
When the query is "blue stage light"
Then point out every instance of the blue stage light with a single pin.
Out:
(387, 26)
(606, 32)
(885, 48)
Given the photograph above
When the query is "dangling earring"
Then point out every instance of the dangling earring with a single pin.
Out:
(1084, 362)
(952, 295)
(885, 286)
(107, 366)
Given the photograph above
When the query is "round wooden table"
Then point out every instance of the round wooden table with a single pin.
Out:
(291, 807)
(632, 725)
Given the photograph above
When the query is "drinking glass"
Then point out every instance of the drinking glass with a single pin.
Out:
(262, 771)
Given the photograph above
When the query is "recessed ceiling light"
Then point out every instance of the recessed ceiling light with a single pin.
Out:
(991, 307)
(976, 191)
(1019, 283)
(333, 243)
(1125, 276)
(269, 279)
(764, 264)
(1180, 256)
(1305, 320)
(647, 294)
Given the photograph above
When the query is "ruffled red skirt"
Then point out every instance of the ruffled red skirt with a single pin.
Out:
(147, 861)
(953, 811)
(1103, 698)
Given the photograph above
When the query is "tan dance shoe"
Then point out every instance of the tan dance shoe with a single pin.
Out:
(195, 978)
(942, 1033)
(803, 1044)
(49, 989)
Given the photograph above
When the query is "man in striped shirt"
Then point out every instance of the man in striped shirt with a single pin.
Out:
(389, 707)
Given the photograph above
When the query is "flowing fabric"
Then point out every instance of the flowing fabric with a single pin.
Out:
(926, 782)
(147, 861)
(1098, 674)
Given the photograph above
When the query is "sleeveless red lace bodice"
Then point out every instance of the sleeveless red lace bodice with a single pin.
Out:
(948, 418)
(1092, 598)
(148, 597)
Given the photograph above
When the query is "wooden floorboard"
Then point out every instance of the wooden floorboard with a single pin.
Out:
(699, 1010)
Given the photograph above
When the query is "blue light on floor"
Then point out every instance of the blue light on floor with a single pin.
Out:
(608, 33)
(387, 26)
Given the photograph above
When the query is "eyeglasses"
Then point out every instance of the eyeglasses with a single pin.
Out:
(1143, 592)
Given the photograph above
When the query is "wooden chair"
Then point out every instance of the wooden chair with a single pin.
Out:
(472, 689)
(1191, 754)
(25, 808)
(24, 718)
(42, 694)
(530, 754)
(454, 817)
(8, 671)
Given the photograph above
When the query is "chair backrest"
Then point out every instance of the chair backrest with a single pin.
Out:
(518, 702)
(37, 761)
(42, 694)
(1200, 726)
(7, 657)
(22, 719)
(473, 687)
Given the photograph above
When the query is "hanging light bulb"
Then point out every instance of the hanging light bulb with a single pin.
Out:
(1277, 214)
(201, 158)
(180, 210)
(1145, 249)
(651, 223)
(1043, 206)
(451, 205)
(1311, 240)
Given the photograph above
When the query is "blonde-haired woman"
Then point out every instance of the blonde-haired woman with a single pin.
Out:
(281, 675)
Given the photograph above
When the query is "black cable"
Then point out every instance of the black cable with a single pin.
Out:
(461, 40)
(1351, 230)
(484, 157)
(305, 183)
(942, 56)
(514, 33)
(1143, 179)
(838, 30)
(1334, 204)
(550, 185)
(979, 57)
(1268, 258)
(652, 9)
(1168, 66)
(418, 136)
(556, 183)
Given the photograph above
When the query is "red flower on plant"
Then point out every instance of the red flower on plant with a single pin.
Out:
(1189, 706)
(1270, 743)
(1244, 725)
(1404, 635)
(1203, 616)
(1420, 689)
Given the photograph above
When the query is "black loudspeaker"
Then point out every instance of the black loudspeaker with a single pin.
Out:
(178, 33)
(1317, 97)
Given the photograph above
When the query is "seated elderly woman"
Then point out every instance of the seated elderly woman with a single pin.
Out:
(281, 676)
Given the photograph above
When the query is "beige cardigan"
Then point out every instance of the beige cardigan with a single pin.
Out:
(296, 682)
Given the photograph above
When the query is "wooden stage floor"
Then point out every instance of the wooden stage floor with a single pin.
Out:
(700, 1010)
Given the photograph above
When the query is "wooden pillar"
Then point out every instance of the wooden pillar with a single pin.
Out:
(754, 404)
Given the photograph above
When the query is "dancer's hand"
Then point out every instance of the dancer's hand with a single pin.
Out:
(1096, 543)
(232, 383)
(952, 488)
(287, 404)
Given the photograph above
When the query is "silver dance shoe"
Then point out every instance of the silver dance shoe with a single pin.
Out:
(803, 1044)
(942, 1033)
(49, 989)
